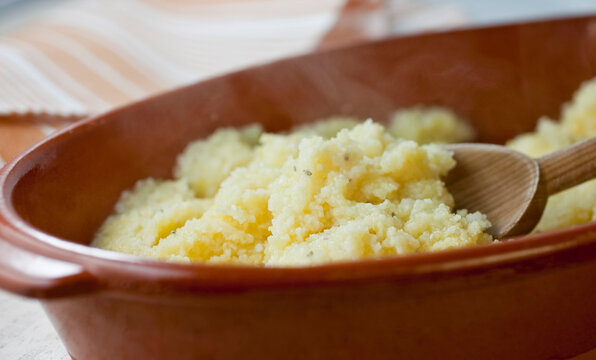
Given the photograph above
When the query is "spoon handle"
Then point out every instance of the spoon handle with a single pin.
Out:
(568, 167)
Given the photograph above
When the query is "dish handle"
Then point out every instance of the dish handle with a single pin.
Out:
(32, 275)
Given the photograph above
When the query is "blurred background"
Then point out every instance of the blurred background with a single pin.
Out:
(61, 60)
(72, 58)
(15, 13)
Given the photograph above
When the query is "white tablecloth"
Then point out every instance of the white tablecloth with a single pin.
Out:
(26, 332)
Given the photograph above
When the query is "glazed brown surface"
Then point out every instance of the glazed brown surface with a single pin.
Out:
(529, 298)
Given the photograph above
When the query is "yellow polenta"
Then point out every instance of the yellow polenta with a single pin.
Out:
(578, 122)
(330, 191)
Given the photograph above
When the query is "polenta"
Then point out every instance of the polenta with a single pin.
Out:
(333, 190)
(329, 191)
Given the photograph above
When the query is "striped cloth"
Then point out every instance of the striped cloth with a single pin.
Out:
(85, 57)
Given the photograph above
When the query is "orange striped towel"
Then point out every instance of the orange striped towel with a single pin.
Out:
(86, 57)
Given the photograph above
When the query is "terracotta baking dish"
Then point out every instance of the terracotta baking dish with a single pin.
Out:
(526, 298)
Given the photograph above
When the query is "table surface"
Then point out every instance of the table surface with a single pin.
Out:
(25, 330)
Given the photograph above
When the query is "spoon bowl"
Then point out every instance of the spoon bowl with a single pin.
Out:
(512, 188)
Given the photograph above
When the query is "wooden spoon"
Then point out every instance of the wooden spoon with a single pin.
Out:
(512, 188)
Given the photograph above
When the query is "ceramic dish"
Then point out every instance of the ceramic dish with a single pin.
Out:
(526, 298)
